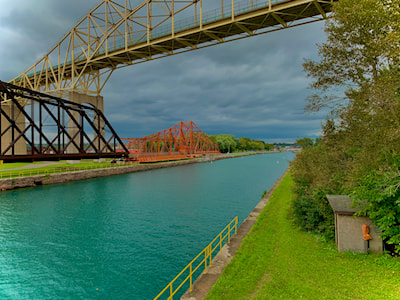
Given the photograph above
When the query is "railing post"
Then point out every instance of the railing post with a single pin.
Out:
(236, 224)
(172, 19)
(270, 5)
(205, 260)
(201, 14)
(149, 16)
(233, 10)
(220, 242)
(191, 278)
(210, 253)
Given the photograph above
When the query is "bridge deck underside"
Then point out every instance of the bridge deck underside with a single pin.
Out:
(226, 28)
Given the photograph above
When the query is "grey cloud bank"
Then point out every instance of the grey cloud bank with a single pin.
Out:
(253, 87)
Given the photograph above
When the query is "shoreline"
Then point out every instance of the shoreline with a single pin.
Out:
(8, 184)
(203, 284)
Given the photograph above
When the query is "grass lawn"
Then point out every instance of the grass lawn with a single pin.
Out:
(61, 166)
(49, 167)
(13, 165)
(277, 261)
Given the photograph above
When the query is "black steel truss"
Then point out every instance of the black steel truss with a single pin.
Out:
(61, 143)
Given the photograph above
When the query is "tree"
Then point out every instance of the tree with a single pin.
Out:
(358, 152)
(229, 143)
(226, 142)
(244, 143)
(269, 147)
(363, 40)
(305, 142)
(380, 189)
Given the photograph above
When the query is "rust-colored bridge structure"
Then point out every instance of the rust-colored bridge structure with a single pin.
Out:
(182, 141)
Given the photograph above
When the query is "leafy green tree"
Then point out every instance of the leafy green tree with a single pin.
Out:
(247, 144)
(379, 192)
(358, 152)
(363, 40)
(226, 142)
(305, 142)
(269, 147)
(244, 143)
(256, 145)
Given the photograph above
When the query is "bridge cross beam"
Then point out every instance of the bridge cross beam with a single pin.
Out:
(279, 19)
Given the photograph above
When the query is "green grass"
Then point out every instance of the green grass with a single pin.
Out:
(277, 261)
(12, 165)
(61, 167)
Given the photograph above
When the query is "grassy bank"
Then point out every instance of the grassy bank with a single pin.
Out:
(7, 170)
(21, 169)
(277, 261)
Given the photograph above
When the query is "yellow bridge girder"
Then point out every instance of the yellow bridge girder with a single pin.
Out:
(115, 35)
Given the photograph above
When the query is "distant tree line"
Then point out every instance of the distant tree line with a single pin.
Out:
(228, 143)
(358, 153)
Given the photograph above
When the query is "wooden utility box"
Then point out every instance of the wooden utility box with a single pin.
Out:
(348, 228)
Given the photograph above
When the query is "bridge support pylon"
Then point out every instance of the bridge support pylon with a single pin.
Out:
(73, 129)
(10, 133)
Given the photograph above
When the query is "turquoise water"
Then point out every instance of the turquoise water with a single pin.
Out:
(126, 236)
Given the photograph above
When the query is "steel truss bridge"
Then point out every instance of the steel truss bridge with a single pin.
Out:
(182, 141)
(46, 128)
(117, 34)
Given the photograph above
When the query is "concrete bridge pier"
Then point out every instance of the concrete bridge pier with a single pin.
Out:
(11, 134)
(96, 102)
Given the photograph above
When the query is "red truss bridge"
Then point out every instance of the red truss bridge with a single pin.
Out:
(182, 141)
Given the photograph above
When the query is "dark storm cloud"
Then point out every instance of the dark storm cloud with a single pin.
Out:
(29, 29)
(252, 87)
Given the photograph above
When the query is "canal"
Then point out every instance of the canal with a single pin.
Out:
(125, 236)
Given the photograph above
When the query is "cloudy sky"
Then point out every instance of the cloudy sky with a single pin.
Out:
(254, 87)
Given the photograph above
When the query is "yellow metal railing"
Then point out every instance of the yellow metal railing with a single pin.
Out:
(205, 257)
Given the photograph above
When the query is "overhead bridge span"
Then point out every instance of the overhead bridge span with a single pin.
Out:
(117, 34)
